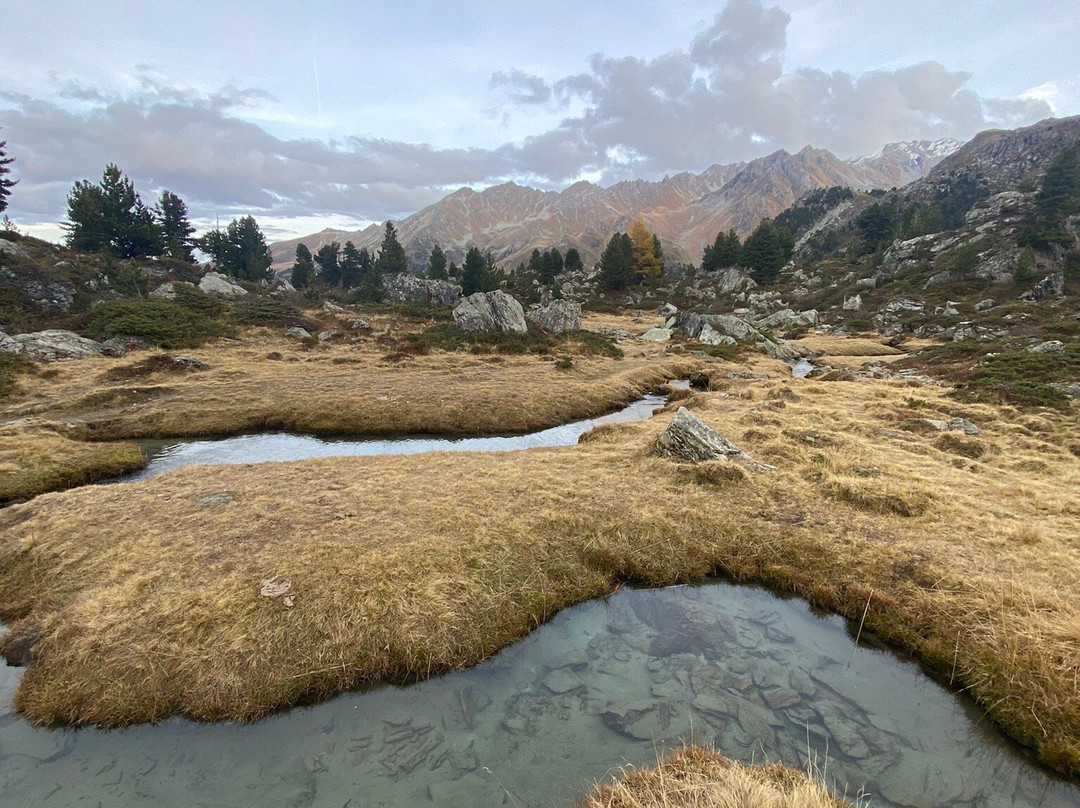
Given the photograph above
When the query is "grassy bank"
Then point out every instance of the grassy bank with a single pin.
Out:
(35, 460)
(960, 549)
(264, 382)
(695, 777)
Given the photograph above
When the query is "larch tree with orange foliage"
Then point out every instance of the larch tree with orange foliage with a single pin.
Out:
(646, 264)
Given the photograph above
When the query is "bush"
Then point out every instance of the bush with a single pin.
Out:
(265, 311)
(165, 323)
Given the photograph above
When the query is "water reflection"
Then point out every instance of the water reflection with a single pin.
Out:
(604, 683)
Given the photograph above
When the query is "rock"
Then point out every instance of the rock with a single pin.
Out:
(275, 587)
(984, 305)
(1052, 346)
(11, 248)
(689, 438)
(667, 310)
(853, 303)
(788, 320)
(1049, 287)
(298, 332)
(188, 363)
(925, 425)
(902, 305)
(403, 287)
(649, 720)
(558, 316)
(20, 646)
(359, 324)
(119, 346)
(168, 290)
(710, 336)
(781, 697)
(562, 681)
(326, 336)
(733, 280)
(215, 282)
(657, 334)
(333, 308)
(490, 311)
(51, 346)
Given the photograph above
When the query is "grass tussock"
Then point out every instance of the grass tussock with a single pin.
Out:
(402, 567)
(825, 345)
(695, 777)
(34, 461)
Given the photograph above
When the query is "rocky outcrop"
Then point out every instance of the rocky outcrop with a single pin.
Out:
(558, 316)
(296, 332)
(1052, 286)
(167, 291)
(656, 334)
(216, 283)
(402, 287)
(710, 336)
(490, 311)
(50, 346)
(788, 320)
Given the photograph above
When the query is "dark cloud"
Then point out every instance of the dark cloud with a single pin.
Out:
(725, 98)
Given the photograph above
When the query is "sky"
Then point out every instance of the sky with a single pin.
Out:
(329, 113)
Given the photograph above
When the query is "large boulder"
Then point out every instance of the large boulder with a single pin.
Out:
(220, 284)
(788, 320)
(50, 346)
(402, 287)
(168, 290)
(558, 316)
(490, 311)
(689, 438)
(1049, 287)
(656, 334)
(710, 336)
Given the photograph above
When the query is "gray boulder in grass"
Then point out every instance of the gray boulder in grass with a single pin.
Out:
(490, 311)
(689, 438)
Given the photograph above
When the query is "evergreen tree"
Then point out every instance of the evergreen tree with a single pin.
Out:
(766, 250)
(658, 254)
(573, 260)
(1025, 267)
(5, 184)
(328, 260)
(615, 263)
(303, 268)
(248, 256)
(350, 266)
(370, 288)
(472, 272)
(876, 225)
(551, 264)
(437, 264)
(723, 252)
(172, 218)
(453, 271)
(1059, 195)
(391, 258)
(110, 217)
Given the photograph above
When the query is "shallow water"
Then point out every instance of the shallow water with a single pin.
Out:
(168, 455)
(801, 368)
(606, 683)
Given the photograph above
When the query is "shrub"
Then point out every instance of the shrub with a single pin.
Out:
(165, 323)
(265, 311)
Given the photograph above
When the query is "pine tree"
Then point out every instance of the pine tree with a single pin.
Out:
(391, 258)
(247, 253)
(327, 258)
(110, 217)
(370, 288)
(350, 266)
(5, 184)
(615, 263)
(472, 272)
(573, 260)
(658, 254)
(723, 252)
(303, 268)
(172, 218)
(437, 264)
(766, 250)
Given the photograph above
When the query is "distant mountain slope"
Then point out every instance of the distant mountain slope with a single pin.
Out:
(685, 210)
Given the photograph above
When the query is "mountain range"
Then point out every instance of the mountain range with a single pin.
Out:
(686, 210)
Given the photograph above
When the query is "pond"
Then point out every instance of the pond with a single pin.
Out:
(613, 681)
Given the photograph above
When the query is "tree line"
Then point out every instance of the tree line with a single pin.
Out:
(763, 254)
(635, 257)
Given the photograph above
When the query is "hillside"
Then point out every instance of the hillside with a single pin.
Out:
(685, 210)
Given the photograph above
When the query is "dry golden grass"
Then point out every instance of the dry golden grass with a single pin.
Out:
(345, 389)
(35, 460)
(146, 597)
(695, 777)
(826, 345)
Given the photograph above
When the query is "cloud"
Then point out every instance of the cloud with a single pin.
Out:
(724, 98)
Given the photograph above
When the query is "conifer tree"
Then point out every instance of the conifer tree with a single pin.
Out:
(437, 264)
(615, 263)
(172, 218)
(328, 260)
(472, 272)
(645, 265)
(303, 268)
(5, 184)
(350, 266)
(391, 258)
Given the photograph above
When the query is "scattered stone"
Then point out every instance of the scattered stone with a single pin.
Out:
(710, 336)
(1049, 287)
(11, 248)
(788, 320)
(325, 336)
(20, 646)
(275, 587)
(930, 425)
(188, 363)
(657, 334)
(215, 282)
(333, 308)
(54, 345)
(558, 316)
(1052, 346)
(699, 381)
(298, 332)
(781, 697)
(167, 291)
(403, 287)
(490, 311)
(853, 303)
(667, 310)
(984, 305)
(359, 324)
(562, 681)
